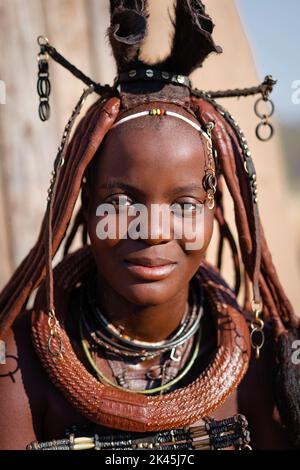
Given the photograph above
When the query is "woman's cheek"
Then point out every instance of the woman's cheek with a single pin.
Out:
(208, 226)
(108, 229)
(102, 230)
(197, 231)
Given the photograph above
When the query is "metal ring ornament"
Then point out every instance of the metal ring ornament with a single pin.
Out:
(44, 110)
(43, 87)
(210, 181)
(56, 354)
(257, 324)
(264, 115)
(210, 201)
(264, 123)
(52, 322)
(42, 40)
(257, 345)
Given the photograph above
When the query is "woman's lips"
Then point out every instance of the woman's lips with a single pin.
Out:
(151, 273)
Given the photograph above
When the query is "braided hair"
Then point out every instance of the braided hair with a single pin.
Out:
(192, 43)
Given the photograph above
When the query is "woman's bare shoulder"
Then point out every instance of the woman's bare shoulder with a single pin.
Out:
(23, 389)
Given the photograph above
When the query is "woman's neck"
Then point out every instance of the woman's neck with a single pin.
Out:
(148, 323)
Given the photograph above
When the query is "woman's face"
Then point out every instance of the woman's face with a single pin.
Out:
(159, 163)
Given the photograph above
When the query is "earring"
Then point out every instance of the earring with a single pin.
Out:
(257, 336)
(264, 117)
(210, 180)
(211, 187)
(43, 82)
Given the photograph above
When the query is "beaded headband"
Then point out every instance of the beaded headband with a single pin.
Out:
(162, 112)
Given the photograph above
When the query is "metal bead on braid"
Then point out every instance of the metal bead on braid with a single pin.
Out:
(210, 181)
(248, 164)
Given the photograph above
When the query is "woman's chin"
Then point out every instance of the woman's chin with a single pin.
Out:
(150, 293)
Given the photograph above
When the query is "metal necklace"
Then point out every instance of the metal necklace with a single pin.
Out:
(107, 336)
(116, 346)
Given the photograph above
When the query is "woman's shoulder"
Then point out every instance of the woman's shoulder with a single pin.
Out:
(22, 388)
(21, 358)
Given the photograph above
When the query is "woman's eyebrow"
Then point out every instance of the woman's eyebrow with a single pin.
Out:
(117, 185)
(189, 188)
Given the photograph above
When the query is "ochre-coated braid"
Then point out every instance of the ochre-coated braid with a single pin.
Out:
(276, 306)
(32, 270)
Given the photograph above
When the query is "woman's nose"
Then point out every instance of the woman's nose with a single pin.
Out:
(159, 228)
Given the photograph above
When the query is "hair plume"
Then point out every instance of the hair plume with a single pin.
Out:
(127, 31)
(192, 39)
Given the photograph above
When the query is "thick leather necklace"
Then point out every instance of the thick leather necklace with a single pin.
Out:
(118, 409)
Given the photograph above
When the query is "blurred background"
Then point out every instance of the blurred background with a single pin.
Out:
(258, 38)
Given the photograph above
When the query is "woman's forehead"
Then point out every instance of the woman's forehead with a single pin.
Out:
(149, 162)
(147, 145)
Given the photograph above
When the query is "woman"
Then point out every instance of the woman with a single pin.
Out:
(141, 338)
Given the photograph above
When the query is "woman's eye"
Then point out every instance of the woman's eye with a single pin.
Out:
(120, 202)
(185, 209)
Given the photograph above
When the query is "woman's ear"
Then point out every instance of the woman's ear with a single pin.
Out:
(85, 199)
